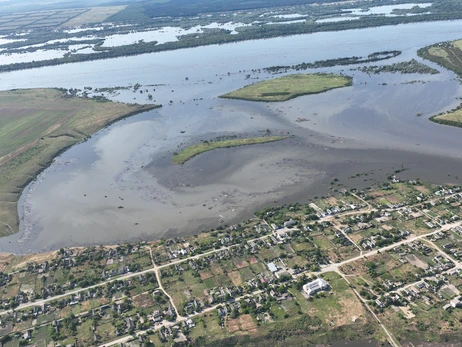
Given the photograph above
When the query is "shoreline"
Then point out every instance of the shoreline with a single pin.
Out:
(29, 175)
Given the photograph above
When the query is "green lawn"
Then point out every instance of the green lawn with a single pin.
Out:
(193, 150)
(289, 87)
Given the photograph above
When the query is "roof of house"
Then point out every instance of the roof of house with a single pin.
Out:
(315, 285)
(272, 267)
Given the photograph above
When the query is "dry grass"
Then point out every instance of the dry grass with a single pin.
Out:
(143, 300)
(235, 278)
(94, 15)
(205, 274)
(243, 323)
(240, 264)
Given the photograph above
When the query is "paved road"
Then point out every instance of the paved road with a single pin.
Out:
(156, 268)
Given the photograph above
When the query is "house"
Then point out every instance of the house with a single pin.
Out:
(272, 267)
(290, 223)
(316, 286)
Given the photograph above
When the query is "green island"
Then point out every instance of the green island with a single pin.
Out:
(373, 57)
(289, 87)
(404, 67)
(193, 150)
(38, 124)
(379, 263)
(448, 55)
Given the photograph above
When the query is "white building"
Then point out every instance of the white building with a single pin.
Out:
(316, 286)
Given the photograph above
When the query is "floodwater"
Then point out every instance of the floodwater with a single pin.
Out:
(386, 10)
(166, 34)
(120, 185)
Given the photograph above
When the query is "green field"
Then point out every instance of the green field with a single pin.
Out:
(36, 125)
(193, 150)
(289, 87)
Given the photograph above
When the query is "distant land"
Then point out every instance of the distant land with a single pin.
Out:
(63, 29)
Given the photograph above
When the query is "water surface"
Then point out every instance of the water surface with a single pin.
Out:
(120, 185)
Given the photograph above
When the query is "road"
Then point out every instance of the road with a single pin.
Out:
(335, 267)
(159, 282)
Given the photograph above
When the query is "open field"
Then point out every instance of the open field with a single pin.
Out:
(289, 87)
(191, 151)
(94, 15)
(38, 19)
(36, 125)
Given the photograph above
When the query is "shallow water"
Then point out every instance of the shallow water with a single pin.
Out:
(120, 184)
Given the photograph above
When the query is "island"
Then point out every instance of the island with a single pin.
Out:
(289, 87)
(38, 124)
(205, 146)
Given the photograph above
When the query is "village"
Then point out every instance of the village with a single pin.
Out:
(369, 258)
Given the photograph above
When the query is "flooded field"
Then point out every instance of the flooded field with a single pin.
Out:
(120, 185)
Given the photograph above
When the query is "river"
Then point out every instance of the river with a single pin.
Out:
(120, 185)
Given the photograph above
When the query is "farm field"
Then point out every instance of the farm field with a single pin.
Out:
(33, 20)
(289, 87)
(35, 125)
(94, 15)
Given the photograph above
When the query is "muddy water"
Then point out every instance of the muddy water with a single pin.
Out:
(120, 185)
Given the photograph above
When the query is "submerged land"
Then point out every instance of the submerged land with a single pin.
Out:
(381, 263)
(38, 124)
(289, 87)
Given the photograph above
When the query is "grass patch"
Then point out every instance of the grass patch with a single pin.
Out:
(35, 126)
(452, 118)
(289, 87)
(193, 150)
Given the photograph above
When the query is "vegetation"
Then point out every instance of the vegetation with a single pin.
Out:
(217, 288)
(376, 56)
(446, 54)
(139, 18)
(404, 67)
(289, 87)
(180, 8)
(453, 117)
(35, 126)
(193, 150)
